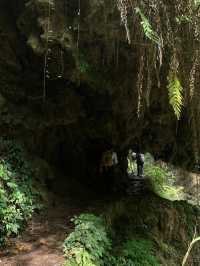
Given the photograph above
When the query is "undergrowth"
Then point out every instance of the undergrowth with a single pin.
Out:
(162, 179)
(137, 252)
(18, 198)
(90, 245)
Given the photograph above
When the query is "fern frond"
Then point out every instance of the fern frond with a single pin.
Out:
(147, 28)
(175, 91)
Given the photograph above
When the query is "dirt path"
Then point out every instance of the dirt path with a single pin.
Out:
(41, 243)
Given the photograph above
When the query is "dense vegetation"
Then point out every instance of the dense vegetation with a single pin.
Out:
(91, 245)
(141, 230)
(18, 197)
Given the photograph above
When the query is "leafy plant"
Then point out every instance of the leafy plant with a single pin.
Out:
(147, 28)
(183, 19)
(138, 252)
(88, 244)
(158, 177)
(135, 252)
(17, 196)
(162, 180)
(175, 94)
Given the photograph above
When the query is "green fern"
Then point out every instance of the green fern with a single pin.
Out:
(175, 94)
(183, 19)
(147, 28)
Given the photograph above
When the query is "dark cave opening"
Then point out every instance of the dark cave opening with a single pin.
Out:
(75, 156)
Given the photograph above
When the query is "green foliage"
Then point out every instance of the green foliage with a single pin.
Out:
(162, 180)
(88, 244)
(17, 196)
(158, 176)
(149, 159)
(138, 252)
(135, 252)
(183, 19)
(147, 28)
(175, 94)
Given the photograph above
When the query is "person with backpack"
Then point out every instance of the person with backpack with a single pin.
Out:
(140, 163)
(131, 157)
(108, 166)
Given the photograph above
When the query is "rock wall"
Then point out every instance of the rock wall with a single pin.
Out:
(69, 84)
(169, 224)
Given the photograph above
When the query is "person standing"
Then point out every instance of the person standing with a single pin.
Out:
(131, 158)
(114, 158)
(108, 168)
(140, 163)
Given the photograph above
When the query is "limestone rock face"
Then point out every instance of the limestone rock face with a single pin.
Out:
(70, 81)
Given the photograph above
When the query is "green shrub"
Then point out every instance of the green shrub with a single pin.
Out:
(158, 176)
(135, 252)
(149, 159)
(88, 244)
(17, 196)
(138, 252)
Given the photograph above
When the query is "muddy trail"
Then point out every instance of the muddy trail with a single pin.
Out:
(41, 242)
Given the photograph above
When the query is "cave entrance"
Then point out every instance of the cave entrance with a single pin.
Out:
(75, 158)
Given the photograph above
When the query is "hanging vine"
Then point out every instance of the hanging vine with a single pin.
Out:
(48, 32)
(123, 8)
(79, 15)
(193, 73)
(170, 32)
(46, 53)
(140, 85)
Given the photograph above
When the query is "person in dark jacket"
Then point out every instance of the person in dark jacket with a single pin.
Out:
(140, 163)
